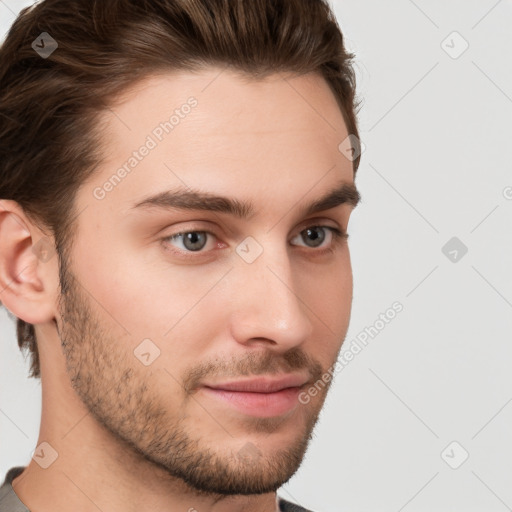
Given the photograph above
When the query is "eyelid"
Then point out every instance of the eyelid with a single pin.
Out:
(309, 223)
(318, 222)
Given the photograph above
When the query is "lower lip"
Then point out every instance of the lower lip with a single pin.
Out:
(258, 404)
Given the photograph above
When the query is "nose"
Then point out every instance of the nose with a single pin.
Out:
(267, 304)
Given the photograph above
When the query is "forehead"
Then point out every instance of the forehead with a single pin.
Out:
(221, 131)
(228, 95)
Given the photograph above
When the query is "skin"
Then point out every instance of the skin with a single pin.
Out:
(131, 437)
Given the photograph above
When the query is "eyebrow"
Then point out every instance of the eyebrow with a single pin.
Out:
(190, 199)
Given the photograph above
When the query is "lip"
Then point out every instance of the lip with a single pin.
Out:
(261, 384)
(260, 397)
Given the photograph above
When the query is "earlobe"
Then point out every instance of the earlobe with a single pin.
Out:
(27, 266)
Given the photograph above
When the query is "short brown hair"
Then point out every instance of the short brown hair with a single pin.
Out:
(49, 107)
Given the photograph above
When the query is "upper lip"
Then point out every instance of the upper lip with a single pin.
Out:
(262, 384)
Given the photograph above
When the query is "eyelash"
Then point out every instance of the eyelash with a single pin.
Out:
(338, 237)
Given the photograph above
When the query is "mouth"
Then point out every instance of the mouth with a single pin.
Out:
(260, 397)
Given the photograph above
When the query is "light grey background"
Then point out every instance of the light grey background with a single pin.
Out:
(437, 165)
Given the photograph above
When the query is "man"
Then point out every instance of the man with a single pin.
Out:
(177, 178)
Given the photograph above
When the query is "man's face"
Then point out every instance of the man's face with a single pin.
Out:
(148, 320)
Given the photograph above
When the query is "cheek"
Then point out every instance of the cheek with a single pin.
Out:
(327, 292)
(141, 290)
(173, 307)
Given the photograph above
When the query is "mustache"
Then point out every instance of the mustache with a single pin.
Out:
(260, 363)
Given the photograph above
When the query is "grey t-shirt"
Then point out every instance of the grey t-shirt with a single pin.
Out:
(9, 501)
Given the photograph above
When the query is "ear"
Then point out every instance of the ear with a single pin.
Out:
(28, 267)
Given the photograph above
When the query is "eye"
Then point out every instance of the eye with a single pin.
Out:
(316, 235)
(190, 240)
(186, 243)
